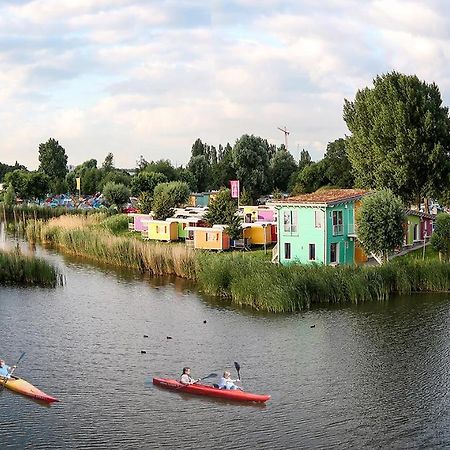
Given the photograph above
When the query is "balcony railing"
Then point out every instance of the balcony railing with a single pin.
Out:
(338, 230)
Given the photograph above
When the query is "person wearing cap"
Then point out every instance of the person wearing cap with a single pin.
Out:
(186, 377)
(5, 370)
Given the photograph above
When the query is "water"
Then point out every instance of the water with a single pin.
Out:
(368, 376)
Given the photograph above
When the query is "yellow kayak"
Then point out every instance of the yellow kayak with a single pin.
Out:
(21, 386)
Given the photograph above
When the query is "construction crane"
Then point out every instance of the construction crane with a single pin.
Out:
(286, 134)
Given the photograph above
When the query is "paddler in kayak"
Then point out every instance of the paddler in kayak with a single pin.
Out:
(227, 383)
(5, 370)
(186, 376)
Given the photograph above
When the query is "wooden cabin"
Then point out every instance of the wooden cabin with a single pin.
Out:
(161, 230)
(140, 222)
(259, 233)
(186, 222)
(208, 238)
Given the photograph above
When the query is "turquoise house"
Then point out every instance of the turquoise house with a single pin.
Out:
(319, 228)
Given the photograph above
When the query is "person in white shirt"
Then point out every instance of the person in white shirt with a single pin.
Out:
(227, 383)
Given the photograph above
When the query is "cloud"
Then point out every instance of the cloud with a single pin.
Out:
(149, 77)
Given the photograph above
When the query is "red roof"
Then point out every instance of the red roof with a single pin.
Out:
(326, 196)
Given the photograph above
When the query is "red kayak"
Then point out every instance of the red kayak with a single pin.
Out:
(210, 391)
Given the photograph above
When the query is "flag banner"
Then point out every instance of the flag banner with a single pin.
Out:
(234, 188)
(78, 183)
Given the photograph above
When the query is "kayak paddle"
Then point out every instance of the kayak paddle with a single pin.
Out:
(238, 369)
(12, 370)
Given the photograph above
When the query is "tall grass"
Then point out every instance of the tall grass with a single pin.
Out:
(18, 269)
(246, 281)
(91, 236)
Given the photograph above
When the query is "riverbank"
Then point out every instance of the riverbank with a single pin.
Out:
(21, 270)
(250, 281)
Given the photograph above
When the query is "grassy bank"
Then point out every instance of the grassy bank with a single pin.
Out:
(245, 280)
(21, 270)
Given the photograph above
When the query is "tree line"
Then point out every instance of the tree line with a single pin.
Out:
(399, 140)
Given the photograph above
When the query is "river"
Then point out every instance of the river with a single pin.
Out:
(367, 376)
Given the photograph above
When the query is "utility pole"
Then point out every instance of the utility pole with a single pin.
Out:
(286, 134)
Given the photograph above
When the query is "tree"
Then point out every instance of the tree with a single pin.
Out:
(117, 176)
(305, 159)
(10, 196)
(177, 191)
(282, 166)
(245, 198)
(5, 168)
(198, 148)
(338, 168)
(380, 224)
(163, 166)
(116, 194)
(53, 161)
(400, 137)
(145, 202)
(146, 182)
(18, 179)
(38, 185)
(163, 205)
(108, 163)
(251, 162)
(440, 239)
(224, 170)
(311, 178)
(201, 170)
(223, 210)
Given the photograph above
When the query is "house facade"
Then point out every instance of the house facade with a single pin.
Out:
(319, 228)
(418, 226)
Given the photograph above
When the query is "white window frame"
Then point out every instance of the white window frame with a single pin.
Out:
(318, 218)
(290, 221)
(287, 245)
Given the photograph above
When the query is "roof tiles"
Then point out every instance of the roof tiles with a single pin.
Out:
(326, 196)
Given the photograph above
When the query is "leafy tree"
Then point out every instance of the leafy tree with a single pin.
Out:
(201, 170)
(178, 192)
(380, 224)
(163, 166)
(163, 205)
(18, 179)
(338, 168)
(223, 210)
(305, 159)
(108, 163)
(5, 168)
(224, 171)
(251, 161)
(198, 148)
(186, 176)
(38, 185)
(440, 239)
(53, 161)
(400, 137)
(245, 198)
(117, 176)
(10, 196)
(311, 178)
(146, 182)
(282, 166)
(90, 180)
(145, 202)
(71, 182)
(116, 194)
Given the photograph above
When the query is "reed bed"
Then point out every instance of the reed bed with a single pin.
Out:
(21, 270)
(246, 281)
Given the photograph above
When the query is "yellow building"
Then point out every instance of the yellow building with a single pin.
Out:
(214, 238)
(257, 233)
(162, 230)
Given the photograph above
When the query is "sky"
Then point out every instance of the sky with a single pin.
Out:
(143, 77)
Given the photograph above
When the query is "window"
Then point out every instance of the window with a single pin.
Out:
(318, 218)
(338, 228)
(165, 229)
(290, 221)
(334, 253)
(157, 229)
(287, 250)
(312, 252)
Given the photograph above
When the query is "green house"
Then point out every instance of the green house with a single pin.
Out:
(319, 228)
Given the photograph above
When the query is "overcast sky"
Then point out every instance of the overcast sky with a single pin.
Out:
(146, 77)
